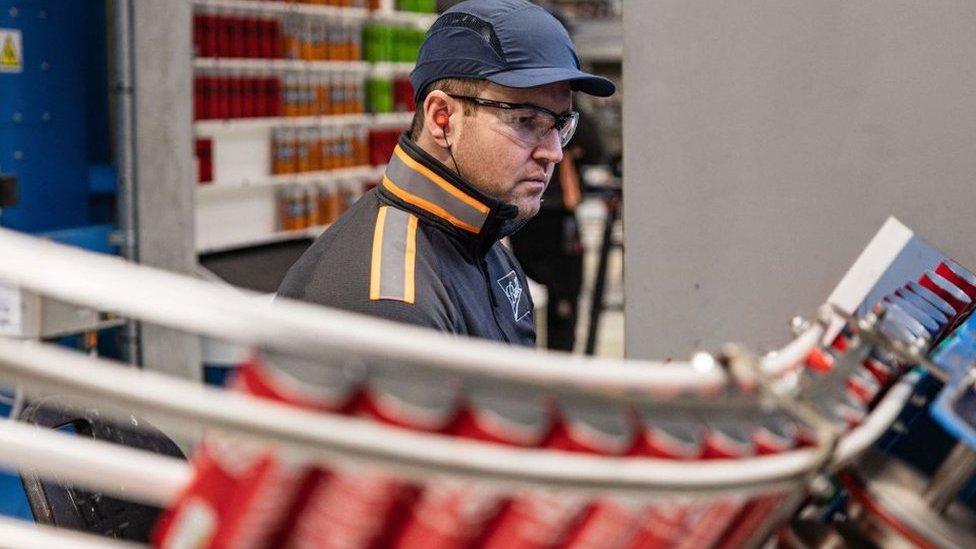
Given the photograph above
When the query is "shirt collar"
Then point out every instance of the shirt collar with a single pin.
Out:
(425, 186)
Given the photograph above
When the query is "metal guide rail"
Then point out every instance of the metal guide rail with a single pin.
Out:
(347, 426)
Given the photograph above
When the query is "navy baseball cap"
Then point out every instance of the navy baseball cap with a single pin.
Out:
(512, 43)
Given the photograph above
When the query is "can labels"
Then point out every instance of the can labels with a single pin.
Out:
(594, 426)
(243, 492)
(449, 515)
(958, 275)
(539, 519)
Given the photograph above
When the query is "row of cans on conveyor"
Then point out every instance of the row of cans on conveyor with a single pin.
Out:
(922, 311)
(281, 501)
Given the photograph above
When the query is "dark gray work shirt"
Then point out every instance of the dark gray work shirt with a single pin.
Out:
(423, 248)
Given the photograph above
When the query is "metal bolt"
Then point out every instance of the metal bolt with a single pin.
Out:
(42, 14)
(18, 117)
(46, 116)
(18, 155)
(14, 12)
(45, 66)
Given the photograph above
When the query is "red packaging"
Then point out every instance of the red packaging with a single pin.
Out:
(609, 430)
(946, 290)
(204, 149)
(863, 385)
(455, 515)
(223, 28)
(252, 38)
(724, 439)
(236, 96)
(273, 105)
(242, 495)
(773, 435)
(588, 425)
(200, 104)
(223, 87)
(933, 298)
(238, 37)
(958, 275)
(365, 508)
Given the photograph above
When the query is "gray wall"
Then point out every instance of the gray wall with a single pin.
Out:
(765, 143)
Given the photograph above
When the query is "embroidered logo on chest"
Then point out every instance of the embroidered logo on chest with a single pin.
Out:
(513, 290)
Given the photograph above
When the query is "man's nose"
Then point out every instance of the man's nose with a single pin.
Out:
(550, 148)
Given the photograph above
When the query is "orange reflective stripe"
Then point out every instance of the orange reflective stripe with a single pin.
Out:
(429, 206)
(375, 264)
(439, 181)
(409, 261)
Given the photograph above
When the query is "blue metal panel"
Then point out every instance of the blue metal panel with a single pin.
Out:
(43, 111)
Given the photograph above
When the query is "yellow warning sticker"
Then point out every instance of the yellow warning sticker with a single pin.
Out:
(11, 51)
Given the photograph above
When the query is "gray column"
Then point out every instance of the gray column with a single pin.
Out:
(162, 79)
(765, 143)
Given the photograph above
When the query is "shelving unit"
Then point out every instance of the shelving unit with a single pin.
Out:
(344, 14)
(240, 207)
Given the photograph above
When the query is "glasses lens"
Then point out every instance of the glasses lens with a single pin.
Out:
(569, 129)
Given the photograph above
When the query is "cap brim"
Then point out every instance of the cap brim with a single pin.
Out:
(531, 78)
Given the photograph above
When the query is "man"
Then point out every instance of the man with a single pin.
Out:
(494, 82)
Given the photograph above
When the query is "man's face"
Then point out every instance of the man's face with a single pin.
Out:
(493, 159)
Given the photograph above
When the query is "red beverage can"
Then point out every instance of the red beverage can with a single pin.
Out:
(223, 27)
(773, 435)
(454, 515)
(243, 494)
(946, 290)
(364, 508)
(958, 275)
(541, 520)
(666, 435)
(725, 438)
(599, 427)
(863, 385)
(252, 38)
(931, 325)
(931, 297)
(222, 84)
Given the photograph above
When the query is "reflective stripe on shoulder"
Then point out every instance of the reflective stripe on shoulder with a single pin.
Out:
(392, 269)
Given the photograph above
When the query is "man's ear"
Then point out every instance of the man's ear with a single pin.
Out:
(438, 109)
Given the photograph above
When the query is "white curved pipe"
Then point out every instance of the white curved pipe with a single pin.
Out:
(18, 534)
(111, 468)
(110, 284)
(875, 425)
(187, 406)
(794, 353)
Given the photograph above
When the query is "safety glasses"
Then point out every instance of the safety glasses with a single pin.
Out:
(529, 123)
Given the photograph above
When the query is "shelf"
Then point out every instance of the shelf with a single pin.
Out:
(355, 15)
(285, 8)
(297, 65)
(271, 238)
(272, 65)
(419, 20)
(363, 173)
(209, 128)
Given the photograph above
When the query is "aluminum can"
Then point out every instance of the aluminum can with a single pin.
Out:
(587, 425)
(608, 429)
(773, 435)
(946, 290)
(364, 508)
(665, 435)
(454, 515)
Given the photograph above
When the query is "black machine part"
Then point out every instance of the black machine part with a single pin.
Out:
(9, 191)
(71, 507)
